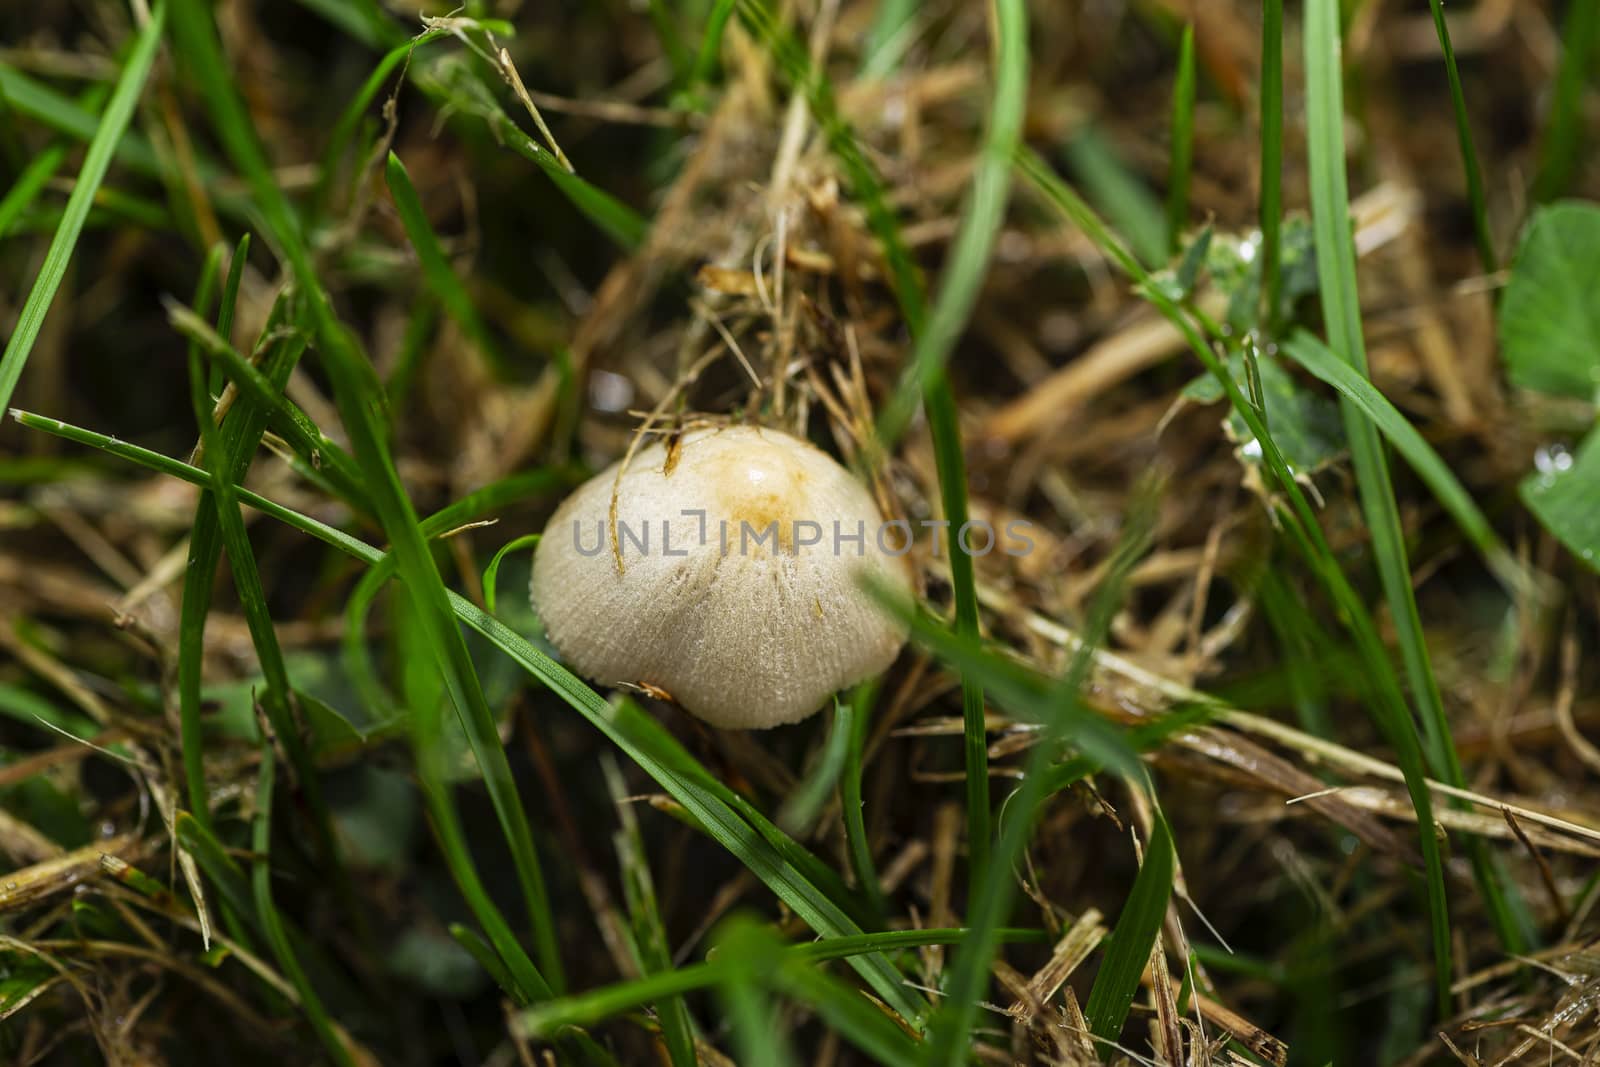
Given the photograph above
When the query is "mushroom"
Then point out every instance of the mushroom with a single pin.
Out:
(724, 569)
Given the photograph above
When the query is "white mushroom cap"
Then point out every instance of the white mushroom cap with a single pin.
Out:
(742, 629)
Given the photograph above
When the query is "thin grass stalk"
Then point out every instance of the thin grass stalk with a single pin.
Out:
(1469, 152)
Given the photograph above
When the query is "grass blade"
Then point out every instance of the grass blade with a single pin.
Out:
(1131, 940)
(360, 399)
(1469, 153)
(1121, 195)
(705, 60)
(652, 952)
(1336, 269)
(114, 121)
(1271, 213)
(436, 268)
(853, 718)
(1182, 159)
(948, 1045)
(272, 925)
(1386, 705)
(591, 1006)
(984, 211)
(1563, 137)
(278, 694)
(1315, 357)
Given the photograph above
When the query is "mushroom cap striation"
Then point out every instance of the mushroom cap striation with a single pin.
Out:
(738, 595)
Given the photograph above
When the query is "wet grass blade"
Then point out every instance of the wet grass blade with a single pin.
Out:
(641, 738)
(113, 123)
(1336, 269)
(1469, 152)
(1181, 162)
(360, 400)
(1129, 945)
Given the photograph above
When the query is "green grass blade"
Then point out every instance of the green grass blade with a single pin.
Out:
(1120, 194)
(1387, 704)
(458, 86)
(892, 28)
(804, 804)
(664, 18)
(436, 268)
(491, 573)
(707, 56)
(27, 185)
(222, 457)
(950, 1036)
(114, 121)
(758, 1033)
(1128, 948)
(652, 951)
(1315, 357)
(968, 261)
(944, 427)
(854, 718)
(1563, 135)
(230, 302)
(1181, 163)
(350, 117)
(272, 924)
(1271, 212)
(199, 578)
(364, 20)
(1469, 153)
(594, 1005)
(38, 101)
(313, 446)
(1336, 269)
(360, 399)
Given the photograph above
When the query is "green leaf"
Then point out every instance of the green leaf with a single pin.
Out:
(1564, 494)
(1549, 318)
